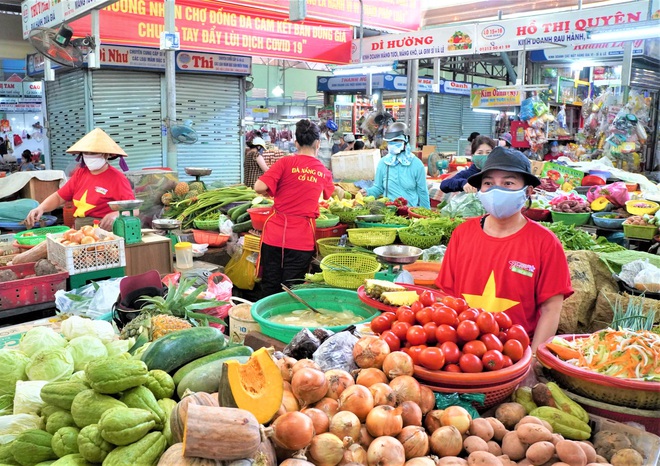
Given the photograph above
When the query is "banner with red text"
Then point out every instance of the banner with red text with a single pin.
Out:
(386, 15)
(211, 26)
(492, 97)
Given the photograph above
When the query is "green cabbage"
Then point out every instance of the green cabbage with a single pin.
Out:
(6, 404)
(84, 349)
(117, 347)
(11, 426)
(40, 338)
(78, 376)
(13, 365)
(28, 397)
(51, 365)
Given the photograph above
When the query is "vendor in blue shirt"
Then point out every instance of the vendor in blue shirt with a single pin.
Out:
(481, 146)
(400, 173)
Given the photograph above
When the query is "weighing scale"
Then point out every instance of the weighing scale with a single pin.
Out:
(127, 226)
(168, 225)
(198, 173)
(395, 256)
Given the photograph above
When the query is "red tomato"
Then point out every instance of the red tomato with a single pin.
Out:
(461, 305)
(514, 350)
(399, 310)
(468, 314)
(407, 315)
(416, 335)
(467, 330)
(507, 361)
(492, 342)
(493, 360)
(452, 368)
(445, 333)
(451, 352)
(392, 340)
(503, 320)
(452, 302)
(415, 351)
(517, 332)
(503, 335)
(470, 363)
(400, 329)
(444, 315)
(423, 316)
(391, 316)
(432, 358)
(475, 347)
(427, 298)
(379, 324)
(416, 306)
(430, 329)
(487, 323)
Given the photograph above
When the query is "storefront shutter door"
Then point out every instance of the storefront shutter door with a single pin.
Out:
(213, 103)
(444, 121)
(65, 104)
(127, 106)
(473, 121)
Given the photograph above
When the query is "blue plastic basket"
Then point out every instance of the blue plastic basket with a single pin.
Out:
(611, 223)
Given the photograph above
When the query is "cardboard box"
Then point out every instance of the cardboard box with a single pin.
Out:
(355, 165)
(153, 252)
(426, 152)
(537, 167)
(39, 190)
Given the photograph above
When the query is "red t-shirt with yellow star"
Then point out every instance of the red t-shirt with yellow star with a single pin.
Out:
(91, 193)
(515, 274)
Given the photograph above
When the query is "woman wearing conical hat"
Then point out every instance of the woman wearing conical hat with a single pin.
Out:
(92, 185)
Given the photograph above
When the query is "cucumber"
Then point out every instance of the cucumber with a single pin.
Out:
(178, 348)
(236, 350)
(231, 211)
(243, 217)
(206, 378)
(240, 210)
(242, 227)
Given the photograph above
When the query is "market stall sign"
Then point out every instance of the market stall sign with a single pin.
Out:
(33, 88)
(565, 28)
(20, 105)
(488, 97)
(586, 51)
(213, 63)
(386, 15)
(437, 42)
(11, 89)
(50, 13)
(358, 83)
(213, 26)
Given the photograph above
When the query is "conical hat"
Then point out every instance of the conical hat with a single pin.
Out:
(98, 142)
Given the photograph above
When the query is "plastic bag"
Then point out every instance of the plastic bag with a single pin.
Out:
(464, 400)
(241, 270)
(630, 271)
(527, 109)
(617, 193)
(463, 205)
(337, 352)
(303, 345)
(219, 287)
(648, 279)
(434, 253)
(91, 300)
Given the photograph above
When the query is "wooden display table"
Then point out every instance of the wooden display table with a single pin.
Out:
(153, 252)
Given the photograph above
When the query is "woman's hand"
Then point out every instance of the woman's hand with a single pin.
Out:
(33, 216)
(108, 220)
(468, 188)
(363, 192)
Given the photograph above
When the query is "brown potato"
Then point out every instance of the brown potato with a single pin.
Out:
(483, 458)
(540, 452)
(451, 461)
(532, 433)
(547, 425)
(556, 438)
(571, 453)
(529, 420)
(626, 457)
(506, 461)
(510, 414)
(499, 431)
(474, 443)
(513, 447)
(494, 448)
(482, 429)
(589, 451)
(601, 459)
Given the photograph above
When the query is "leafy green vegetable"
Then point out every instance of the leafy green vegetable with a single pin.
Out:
(13, 365)
(84, 349)
(575, 239)
(616, 260)
(50, 364)
(40, 338)
(441, 226)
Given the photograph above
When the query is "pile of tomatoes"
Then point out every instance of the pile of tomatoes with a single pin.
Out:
(448, 335)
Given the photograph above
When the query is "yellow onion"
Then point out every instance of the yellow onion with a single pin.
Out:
(446, 441)
(386, 451)
(432, 420)
(383, 394)
(458, 417)
(370, 376)
(415, 441)
(291, 431)
(365, 437)
(345, 424)
(289, 401)
(406, 388)
(326, 449)
(398, 363)
(427, 402)
(338, 380)
(358, 400)
(421, 461)
(384, 420)
(354, 453)
(286, 367)
(329, 406)
(299, 459)
(320, 420)
(411, 414)
(309, 385)
(302, 363)
(370, 351)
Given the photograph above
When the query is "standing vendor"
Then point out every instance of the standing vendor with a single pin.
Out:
(503, 262)
(328, 130)
(296, 183)
(93, 184)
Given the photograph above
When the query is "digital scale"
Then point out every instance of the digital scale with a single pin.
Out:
(127, 225)
(395, 256)
(168, 226)
(198, 173)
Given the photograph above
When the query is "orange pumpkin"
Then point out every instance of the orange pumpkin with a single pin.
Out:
(173, 456)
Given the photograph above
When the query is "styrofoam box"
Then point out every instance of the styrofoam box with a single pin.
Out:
(355, 165)
(646, 443)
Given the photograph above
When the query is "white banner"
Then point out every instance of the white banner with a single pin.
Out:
(11, 88)
(587, 51)
(213, 63)
(130, 57)
(51, 13)
(33, 88)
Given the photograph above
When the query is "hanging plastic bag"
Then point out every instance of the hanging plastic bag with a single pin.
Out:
(241, 269)
(219, 287)
(527, 109)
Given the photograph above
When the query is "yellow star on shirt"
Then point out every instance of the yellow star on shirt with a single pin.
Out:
(82, 207)
(488, 299)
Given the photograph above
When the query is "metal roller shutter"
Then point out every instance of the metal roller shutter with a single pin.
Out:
(127, 106)
(473, 121)
(66, 110)
(444, 121)
(213, 103)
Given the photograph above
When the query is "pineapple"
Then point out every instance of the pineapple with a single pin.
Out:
(192, 194)
(375, 288)
(154, 326)
(181, 189)
(197, 186)
(166, 198)
(399, 298)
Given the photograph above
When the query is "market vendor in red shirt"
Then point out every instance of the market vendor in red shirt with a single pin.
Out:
(296, 182)
(504, 262)
(93, 184)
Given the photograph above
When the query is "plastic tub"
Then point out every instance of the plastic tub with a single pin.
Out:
(329, 222)
(212, 238)
(327, 299)
(571, 219)
(651, 209)
(258, 215)
(424, 273)
(539, 215)
(613, 223)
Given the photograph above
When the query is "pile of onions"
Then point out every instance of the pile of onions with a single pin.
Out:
(415, 441)
(345, 424)
(432, 420)
(446, 441)
(406, 388)
(309, 385)
(370, 376)
(354, 453)
(326, 449)
(384, 420)
(383, 394)
(411, 414)
(338, 381)
(386, 451)
(456, 416)
(358, 400)
(370, 351)
(320, 420)
(286, 367)
(291, 431)
(398, 363)
(329, 406)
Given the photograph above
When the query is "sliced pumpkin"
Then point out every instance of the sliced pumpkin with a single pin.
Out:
(600, 204)
(255, 386)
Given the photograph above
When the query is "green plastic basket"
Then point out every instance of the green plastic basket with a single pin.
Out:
(371, 237)
(639, 231)
(38, 235)
(378, 225)
(330, 221)
(329, 246)
(418, 241)
(571, 219)
(207, 224)
(348, 216)
(348, 270)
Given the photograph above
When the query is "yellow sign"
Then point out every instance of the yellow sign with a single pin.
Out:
(487, 97)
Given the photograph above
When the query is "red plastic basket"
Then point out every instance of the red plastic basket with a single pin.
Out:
(212, 238)
(381, 306)
(330, 232)
(258, 215)
(25, 291)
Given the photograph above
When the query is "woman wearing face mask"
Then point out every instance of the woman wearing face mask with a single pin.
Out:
(254, 164)
(503, 261)
(288, 239)
(481, 147)
(328, 130)
(92, 185)
(400, 173)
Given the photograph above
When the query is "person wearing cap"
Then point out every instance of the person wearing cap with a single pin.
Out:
(400, 173)
(505, 140)
(481, 147)
(504, 262)
(93, 184)
(254, 164)
(328, 129)
(347, 144)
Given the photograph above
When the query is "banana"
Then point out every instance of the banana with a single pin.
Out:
(567, 405)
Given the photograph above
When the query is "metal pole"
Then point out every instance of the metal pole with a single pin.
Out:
(407, 118)
(170, 86)
(413, 105)
(626, 70)
(361, 27)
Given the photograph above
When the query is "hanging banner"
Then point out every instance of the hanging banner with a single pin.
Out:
(211, 26)
(213, 63)
(487, 97)
(586, 51)
(353, 84)
(429, 43)
(567, 28)
(11, 89)
(51, 13)
(386, 15)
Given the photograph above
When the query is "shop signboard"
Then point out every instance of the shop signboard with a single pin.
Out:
(557, 29)
(52, 13)
(215, 27)
(437, 42)
(488, 97)
(213, 63)
(33, 88)
(358, 83)
(11, 88)
(566, 177)
(386, 15)
(19, 106)
(587, 51)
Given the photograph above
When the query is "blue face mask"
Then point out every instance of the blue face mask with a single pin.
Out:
(479, 161)
(502, 202)
(395, 147)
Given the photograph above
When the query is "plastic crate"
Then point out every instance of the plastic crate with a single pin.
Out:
(26, 290)
(648, 445)
(639, 231)
(87, 257)
(337, 230)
